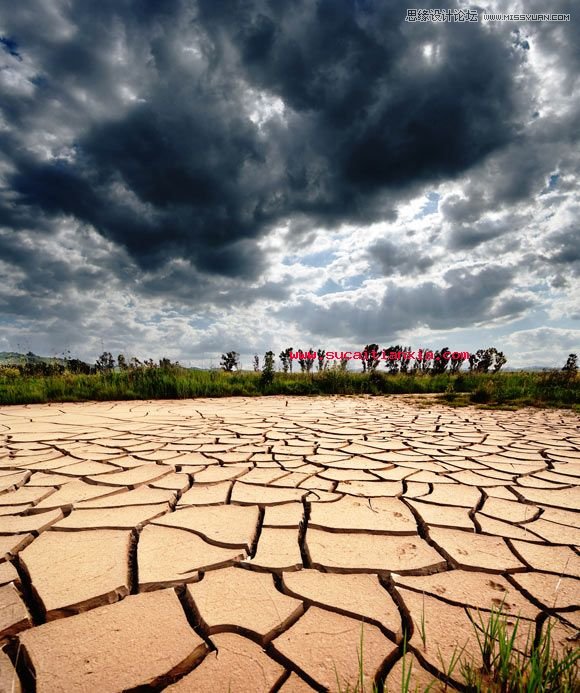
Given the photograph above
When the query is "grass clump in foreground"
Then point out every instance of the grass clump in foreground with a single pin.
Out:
(504, 668)
(537, 668)
(555, 388)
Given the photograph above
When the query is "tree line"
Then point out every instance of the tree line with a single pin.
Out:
(489, 360)
(106, 363)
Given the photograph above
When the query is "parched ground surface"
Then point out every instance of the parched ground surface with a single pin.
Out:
(249, 544)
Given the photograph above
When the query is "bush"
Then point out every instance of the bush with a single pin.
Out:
(9, 373)
(483, 393)
(376, 381)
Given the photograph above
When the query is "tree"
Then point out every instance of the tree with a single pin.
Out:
(77, 366)
(256, 363)
(122, 362)
(392, 364)
(455, 363)
(474, 360)
(439, 362)
(289, 350)
(480, 361)
(321, 355)
(267, 377)
(285, 359)
(485, 359)
(424, 363)
(405, 360)
(307, 360)
(230, 361)
(571, 365)
(500, 360)
(370, 363)
(343, 365)
(105, 362)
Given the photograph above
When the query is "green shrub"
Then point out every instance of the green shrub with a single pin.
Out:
(483, 393)
(9, 373)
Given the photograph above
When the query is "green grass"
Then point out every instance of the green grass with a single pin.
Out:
(538, 668)
(359, 687)
(422, 625)
(488, 390)
(554, 387)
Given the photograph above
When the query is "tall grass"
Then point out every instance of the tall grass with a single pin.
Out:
(536, 668)
(518, 388)
(557, 387)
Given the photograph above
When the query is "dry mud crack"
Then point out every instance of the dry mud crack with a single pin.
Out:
(245, 544)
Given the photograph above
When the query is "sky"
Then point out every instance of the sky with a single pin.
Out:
(188, 177)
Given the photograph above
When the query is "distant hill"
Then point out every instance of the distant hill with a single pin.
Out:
(11, 358)
(530, 369)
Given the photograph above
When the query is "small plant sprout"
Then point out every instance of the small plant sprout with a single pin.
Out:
(406, 676)
(360, 684)
(450, 667)
(422, 631)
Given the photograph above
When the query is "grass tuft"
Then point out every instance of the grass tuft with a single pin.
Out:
(538, 668)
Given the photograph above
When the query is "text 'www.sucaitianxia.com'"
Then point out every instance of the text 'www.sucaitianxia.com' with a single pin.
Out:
(384, 355)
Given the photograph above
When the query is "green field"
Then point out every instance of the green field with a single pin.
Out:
(505, 389)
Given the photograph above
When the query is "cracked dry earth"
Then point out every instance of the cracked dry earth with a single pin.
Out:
(242, 544)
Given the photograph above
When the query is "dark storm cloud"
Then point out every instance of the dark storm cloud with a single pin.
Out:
(517, 174)
(542, 152)
(471, 236)
(559, 38)
(185, 284)
(374, 113)
(182, 171)
(10, 46)
(50, 272)
(399, 258)
(50, 284)
(564, 250)
(470, 298)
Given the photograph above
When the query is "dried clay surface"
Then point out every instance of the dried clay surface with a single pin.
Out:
(276, 544)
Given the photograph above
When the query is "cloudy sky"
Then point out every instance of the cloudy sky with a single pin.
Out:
(186, 177)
